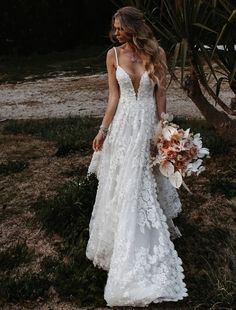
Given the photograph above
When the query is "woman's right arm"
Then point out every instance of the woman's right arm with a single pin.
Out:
(113, 99)
(160, 91)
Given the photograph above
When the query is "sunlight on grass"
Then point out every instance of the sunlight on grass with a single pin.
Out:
(70, 134)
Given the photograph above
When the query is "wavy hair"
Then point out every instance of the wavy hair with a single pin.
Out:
(142, 37)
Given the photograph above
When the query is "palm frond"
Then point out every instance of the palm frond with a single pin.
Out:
(223, 30)
(183, 52)
(232, 74)
(176, 55)
(204, 27)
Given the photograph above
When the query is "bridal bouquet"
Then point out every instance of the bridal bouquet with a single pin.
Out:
(179, 152)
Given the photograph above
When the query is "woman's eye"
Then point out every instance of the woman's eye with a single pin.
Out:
(118, 29)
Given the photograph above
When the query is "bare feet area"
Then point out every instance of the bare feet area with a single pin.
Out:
(64, 96)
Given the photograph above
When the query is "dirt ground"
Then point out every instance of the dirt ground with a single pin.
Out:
(53, 97)
(63, 96)
(19, 191)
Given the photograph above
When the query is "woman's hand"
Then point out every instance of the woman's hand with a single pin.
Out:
(98, 141)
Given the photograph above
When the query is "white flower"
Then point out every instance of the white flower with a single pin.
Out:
(197, 140)
(203, 152)
(178, 148)
(201, 169)
(186, 133)
(193, 167)
(168, 131)
(185, 144)
(167, 168)
(176, 179)
(167, 117)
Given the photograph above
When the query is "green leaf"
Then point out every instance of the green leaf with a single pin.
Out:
(232, 74)
(199, 68)
(204, 27)
(186, 26)
(172, 17)
(232, 16)
(176, 55)
(196, 11)
(184, 50)
(164, 32)
(207, 58)
(218, 85)
(227, 5)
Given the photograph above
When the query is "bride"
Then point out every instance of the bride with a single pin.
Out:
(131, 228)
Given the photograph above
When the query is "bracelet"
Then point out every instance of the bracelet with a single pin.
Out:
(104, 130)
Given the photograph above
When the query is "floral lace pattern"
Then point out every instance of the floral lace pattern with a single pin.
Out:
(131, 226)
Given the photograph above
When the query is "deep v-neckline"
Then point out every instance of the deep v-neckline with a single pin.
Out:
(136, 92)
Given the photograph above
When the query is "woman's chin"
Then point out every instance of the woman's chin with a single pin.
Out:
(121, 40)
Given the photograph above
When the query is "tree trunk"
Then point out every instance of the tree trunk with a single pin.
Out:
(225, 126)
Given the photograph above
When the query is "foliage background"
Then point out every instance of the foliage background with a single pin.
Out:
(47, 25)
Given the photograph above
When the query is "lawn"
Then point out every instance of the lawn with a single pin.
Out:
(46, 203)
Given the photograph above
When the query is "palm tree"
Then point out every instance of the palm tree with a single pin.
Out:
(199, 37)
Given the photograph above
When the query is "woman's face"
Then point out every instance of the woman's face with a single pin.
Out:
(120, 34)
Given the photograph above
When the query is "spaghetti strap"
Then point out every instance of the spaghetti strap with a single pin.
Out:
(117, 63)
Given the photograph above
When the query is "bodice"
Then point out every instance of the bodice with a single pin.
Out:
(144, 92)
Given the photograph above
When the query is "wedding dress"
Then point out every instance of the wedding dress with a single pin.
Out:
(131, 228)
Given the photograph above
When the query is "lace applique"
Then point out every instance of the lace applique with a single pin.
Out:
(132, 221)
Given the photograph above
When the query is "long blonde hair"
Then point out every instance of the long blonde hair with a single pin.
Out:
(143, 39)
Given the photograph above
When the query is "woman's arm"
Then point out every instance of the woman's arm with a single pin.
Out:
(113, 98)
(160, 91)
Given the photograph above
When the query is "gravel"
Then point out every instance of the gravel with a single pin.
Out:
(63, 96)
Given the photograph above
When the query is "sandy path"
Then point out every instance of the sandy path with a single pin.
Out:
(73, 96)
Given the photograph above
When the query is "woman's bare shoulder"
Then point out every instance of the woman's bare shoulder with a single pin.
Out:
(111, 59)
(111, 56)
(110, 52)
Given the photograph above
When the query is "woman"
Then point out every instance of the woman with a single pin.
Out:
(131, 227)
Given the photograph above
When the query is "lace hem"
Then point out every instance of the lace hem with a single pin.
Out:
(152, 298)
(94, 163)
(131, 226)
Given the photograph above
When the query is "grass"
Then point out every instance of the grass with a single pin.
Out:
(13, 167)
(68, 214)
(76, 133)
(207, 223)
(28, 286)
(14, 256)
(71, 134)
(75, 278)
(219, 183)
(15, 286)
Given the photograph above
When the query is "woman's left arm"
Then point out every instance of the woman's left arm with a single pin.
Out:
(160, 91)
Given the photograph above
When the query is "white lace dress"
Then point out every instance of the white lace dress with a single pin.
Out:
(131, 227)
